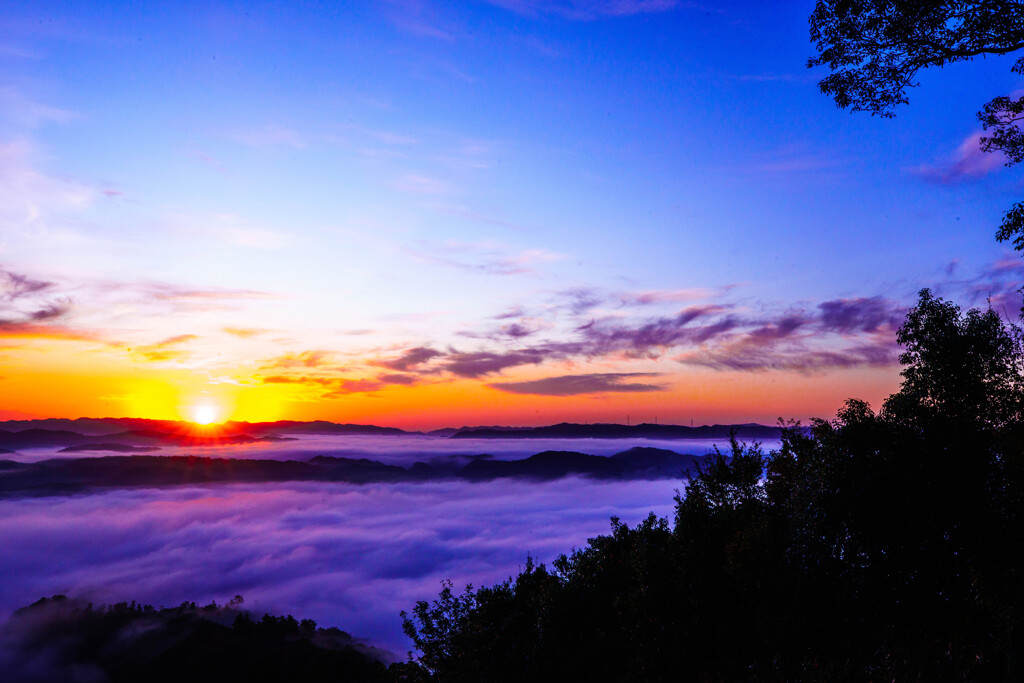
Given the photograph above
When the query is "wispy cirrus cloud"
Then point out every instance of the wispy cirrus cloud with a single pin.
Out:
(244, 332)
(34, 203)
(417, 18)
(650, 297)
(298, 379)
(346, 387)
(37, 206)
(318, 369)
(177, 292)
(313, 358)
(100, 307)
(774, 77)
(792, 159)
(165, 349)
(200, 296)
(524, 327)
(575, 385)
(257, 238)
(30, 308)
(586, 10)
(968, 162)
(18, 285)
(478, 217)
(489, 258)
(230, 229)
(17, 51)
(336, 387)
(512, 331)
(140, 300)
(418, 183)
(19, 111)
(348, 131)
(270, 135)
(579, 300)
(467, 155)
(662, 296)
(30, 330)
(997, 285)
(514, 312)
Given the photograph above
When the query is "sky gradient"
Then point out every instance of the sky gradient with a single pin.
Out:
(516, 212)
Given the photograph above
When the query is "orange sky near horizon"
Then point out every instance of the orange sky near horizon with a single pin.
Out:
(81, 379)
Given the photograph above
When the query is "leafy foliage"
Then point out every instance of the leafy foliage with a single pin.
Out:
(966, 370)
(875, 49)
(875, 546)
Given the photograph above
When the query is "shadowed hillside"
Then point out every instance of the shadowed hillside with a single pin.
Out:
(59, 639)
(73, 475)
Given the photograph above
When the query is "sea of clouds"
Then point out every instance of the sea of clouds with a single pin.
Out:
(347, 555)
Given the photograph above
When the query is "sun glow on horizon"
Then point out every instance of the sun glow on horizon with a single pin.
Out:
(205, 413)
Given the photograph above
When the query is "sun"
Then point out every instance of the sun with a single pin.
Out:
(206, 408)
(205, 413)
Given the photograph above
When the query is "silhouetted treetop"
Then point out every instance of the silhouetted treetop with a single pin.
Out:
(961, 368)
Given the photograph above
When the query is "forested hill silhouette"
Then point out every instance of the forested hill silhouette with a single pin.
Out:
(63, 639)
(94, 433)
(74, 475)
(50, 432)
(58, 438)
(568, 430)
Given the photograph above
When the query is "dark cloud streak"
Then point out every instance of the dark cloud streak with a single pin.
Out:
(16, 286)
(574, 385)
(409, 359)
(849, 316)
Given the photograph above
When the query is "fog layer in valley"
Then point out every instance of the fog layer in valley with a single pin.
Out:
(347, 555)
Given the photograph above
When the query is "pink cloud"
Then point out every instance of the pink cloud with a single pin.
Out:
(967, 162)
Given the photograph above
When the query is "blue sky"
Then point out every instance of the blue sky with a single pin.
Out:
(546, 185)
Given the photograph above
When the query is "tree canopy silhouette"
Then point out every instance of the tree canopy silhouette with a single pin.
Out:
(875, 49)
